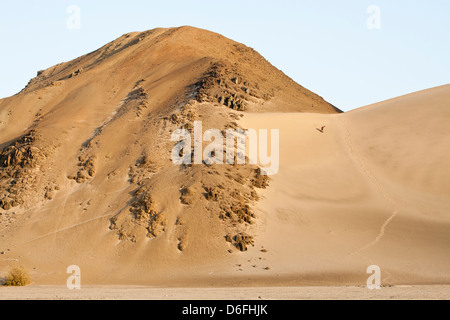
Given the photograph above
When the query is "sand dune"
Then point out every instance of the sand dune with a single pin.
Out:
(372, 190)
(247, 294)
(87, 178)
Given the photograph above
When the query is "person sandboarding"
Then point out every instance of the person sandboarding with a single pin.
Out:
(322, 129)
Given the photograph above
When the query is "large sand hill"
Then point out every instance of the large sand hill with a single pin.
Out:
(87, 178)
(372, 190)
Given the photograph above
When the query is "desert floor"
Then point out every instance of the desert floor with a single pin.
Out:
(87, 179)
(437, 292)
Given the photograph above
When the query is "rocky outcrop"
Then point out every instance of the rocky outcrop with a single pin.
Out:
(225, 85)
(17, 170)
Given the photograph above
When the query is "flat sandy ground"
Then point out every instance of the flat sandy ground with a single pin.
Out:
(437, 292)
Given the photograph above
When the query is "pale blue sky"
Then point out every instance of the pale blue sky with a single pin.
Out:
(324, 45)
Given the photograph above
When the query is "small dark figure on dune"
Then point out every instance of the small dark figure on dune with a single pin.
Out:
(322, 129)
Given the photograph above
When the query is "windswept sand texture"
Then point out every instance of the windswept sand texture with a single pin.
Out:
(374, 189)
(87, 180)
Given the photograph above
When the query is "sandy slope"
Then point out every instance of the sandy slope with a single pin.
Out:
(374, 189)
(343, 200)
(86, 176)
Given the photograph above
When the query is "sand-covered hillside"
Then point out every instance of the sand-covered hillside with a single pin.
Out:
(372, 190)
(87, 177)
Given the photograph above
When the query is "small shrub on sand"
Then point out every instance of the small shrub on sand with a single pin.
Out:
(17, 277)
